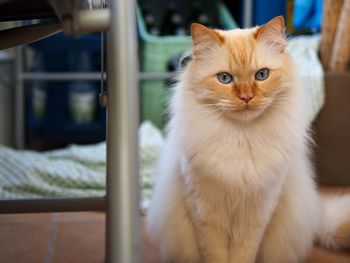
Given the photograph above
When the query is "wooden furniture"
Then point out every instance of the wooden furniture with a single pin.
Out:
(332, 132)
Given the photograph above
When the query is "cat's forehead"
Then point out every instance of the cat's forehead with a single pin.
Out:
(240, 44)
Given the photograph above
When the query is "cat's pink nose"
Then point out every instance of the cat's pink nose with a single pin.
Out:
(246, 97)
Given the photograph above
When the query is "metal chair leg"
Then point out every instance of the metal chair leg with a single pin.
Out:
(123, 218)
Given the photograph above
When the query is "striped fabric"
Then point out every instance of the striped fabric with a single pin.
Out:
(74, 171)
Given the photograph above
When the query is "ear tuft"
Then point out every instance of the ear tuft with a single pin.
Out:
(203, 37)
(197, 30)
(273, 33)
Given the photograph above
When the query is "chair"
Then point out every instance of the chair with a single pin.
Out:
(121, 201)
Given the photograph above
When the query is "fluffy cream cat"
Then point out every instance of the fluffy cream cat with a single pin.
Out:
(235, 181)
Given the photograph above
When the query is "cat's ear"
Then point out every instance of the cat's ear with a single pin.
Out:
(204, 38)
(273, 33)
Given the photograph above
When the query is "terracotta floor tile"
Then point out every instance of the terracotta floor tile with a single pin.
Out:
(79, 242)
(80, 216)
(26, 218)
(24, 242)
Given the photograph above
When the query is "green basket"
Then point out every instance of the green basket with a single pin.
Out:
(156, 51)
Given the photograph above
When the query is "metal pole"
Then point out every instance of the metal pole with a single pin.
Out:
(248, 13)
(19, 101)
(93, 76)
(123, 218)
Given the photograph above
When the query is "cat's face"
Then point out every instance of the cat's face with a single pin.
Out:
(240, 72)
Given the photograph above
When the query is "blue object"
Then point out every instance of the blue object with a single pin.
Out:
(263, 10)
(307, 14)
(62, 53)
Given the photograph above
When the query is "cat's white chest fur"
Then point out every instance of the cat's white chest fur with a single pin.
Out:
(234, 157)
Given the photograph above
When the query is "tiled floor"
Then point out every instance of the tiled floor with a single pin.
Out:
(52, 237)
(79, 238)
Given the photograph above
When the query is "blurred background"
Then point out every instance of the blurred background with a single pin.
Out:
(57, 110)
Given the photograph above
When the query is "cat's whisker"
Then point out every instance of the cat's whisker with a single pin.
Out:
(209, 103)
(209, 106)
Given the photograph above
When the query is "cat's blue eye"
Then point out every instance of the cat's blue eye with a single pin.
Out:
(225, 77)
(262, 74)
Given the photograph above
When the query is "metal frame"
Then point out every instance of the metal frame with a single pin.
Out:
(123, 215)
(19, 101)
(248, 13)
(121, 203)
(13, 206)
(94, 76)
